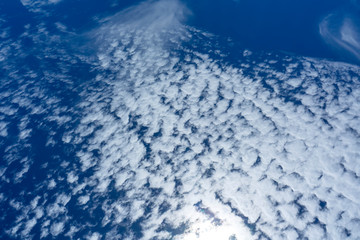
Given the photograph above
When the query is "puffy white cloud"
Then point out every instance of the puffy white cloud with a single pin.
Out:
(56, 228)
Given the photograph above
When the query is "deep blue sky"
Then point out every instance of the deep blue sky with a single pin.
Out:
(285, 25)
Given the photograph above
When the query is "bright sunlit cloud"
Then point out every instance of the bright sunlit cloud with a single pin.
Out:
(205, 230)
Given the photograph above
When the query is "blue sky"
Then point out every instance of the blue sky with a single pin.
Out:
(291, 26)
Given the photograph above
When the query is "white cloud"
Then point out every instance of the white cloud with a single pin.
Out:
(57, 228)
(83, 199)
(94, 236)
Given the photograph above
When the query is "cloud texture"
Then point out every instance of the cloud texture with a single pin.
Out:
(170, 139)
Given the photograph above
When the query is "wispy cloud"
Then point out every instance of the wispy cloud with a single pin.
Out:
(341, 32)
(38, 5)
(147, 19)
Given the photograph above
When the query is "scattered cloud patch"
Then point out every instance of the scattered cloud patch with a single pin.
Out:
(38, 5)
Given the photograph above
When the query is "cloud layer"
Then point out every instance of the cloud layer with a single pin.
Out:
(170, 139)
